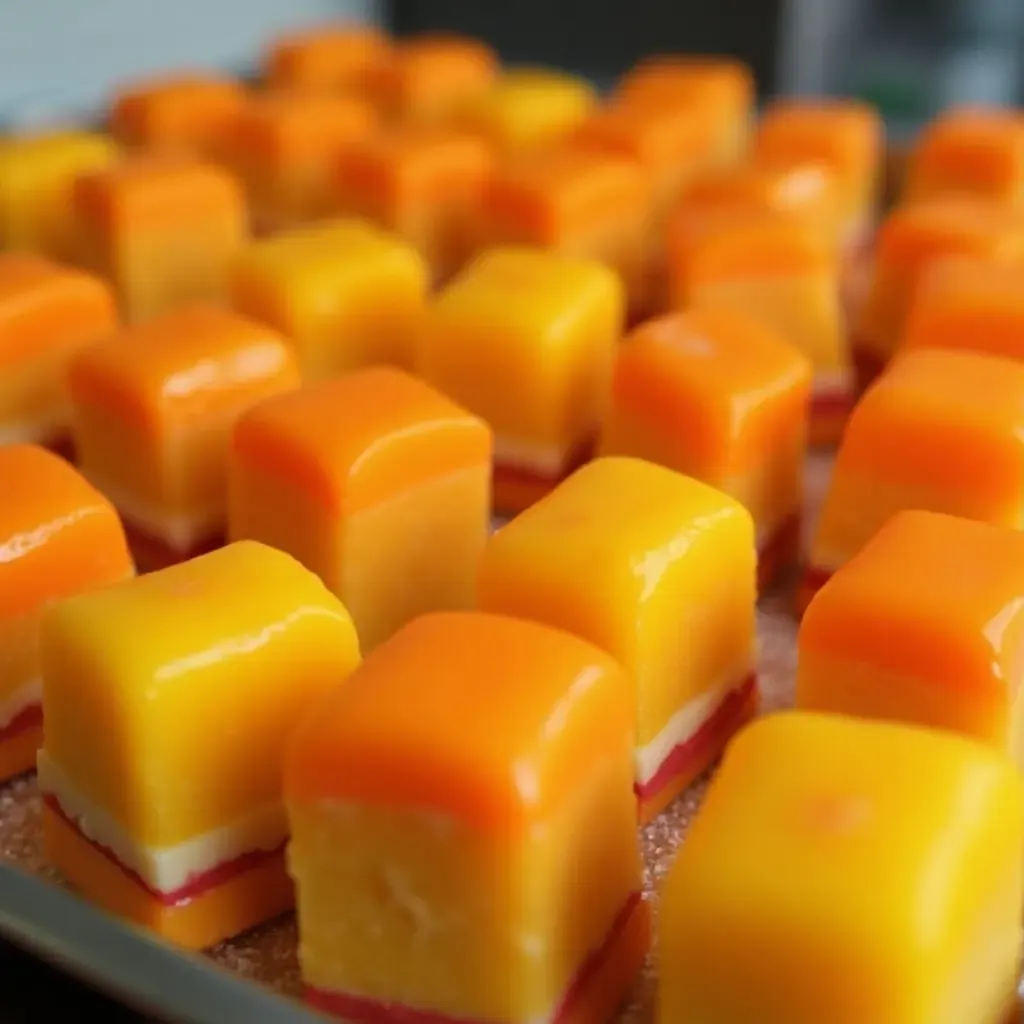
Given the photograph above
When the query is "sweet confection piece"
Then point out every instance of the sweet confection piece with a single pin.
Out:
(47, 312)
(168, 701)
(472, 778)
(527, 108)
(541, 381)
(375, 482)
(326, 58)
(344, 293)
(163, 230)
(910, 239)
(900, 850)
(631, 556)
(721, 88)
(58, 537)
(429, 77)
(975, 151)
(942, 430)
(284, 149)
(772, 267)
(185, 114)
(153, 408)
(421, 182)
(575, 201)
(720, 397)
(923, 625)
(37, 172)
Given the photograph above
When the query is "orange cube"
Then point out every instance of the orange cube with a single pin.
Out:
(190, 113)
(541, 380)
(58, 536)
(923, 625)
(910, 239)
(153, 408)
(507, 820)
(974, 151)
(284, 150)
(163, 231)
(47, 312)
(721, 88)
(577, 202)
(343, 293)
(423, 183)
(375, 482)
(943, 431)
(325, 58)
(773, 268)
(719, 396)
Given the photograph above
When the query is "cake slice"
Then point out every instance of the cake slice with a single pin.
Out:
(331, 57)
(476, 865)
(888, 886)
(169, 700)
(58, 537)
(660, 571)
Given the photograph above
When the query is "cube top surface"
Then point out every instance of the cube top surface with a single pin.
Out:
(174, 106)
(847, 133)
(326, 56)
(721, 82)
(806, 187)
(655, 135)
(30, 149)
(489, 719)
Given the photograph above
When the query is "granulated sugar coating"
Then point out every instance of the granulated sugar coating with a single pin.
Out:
(268, 954)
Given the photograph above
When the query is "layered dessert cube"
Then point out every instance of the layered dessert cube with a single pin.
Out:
(375, 482)
(775, 269)
(923, 625)
(37, 175)
(47, 312)
(476, 865)
(888, 886)
(186, 113)
(58, 537)
(169, 700)
(718, 396)
(344, 293)
(942, 430)
(575, 201)
(910, 239)
(162, 230)
(634, 557)
(976, 151)
(541, 380)
(421, 182)
(325, 58)
(284, 148)
(153, 408)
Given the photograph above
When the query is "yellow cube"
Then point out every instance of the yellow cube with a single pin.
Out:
(886, 889)
(37, 173)
(375, 482)
(345, 293)
(659, 570)
(550, 324)
(168, 702)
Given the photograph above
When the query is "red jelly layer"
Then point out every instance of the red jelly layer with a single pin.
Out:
(778, 550)
(359, 1010)
(812, 580)
(197, 884)
(30, 717)
(867, 365)
(151, 553)
(831, 402)
(517, 476)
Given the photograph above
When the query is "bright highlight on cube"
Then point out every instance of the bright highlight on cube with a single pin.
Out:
(887, 888)
(169, 700)
(464, 830)
(632, 557)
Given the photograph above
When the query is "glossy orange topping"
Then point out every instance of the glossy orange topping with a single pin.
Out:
(360, 439)
(543, 198)
(326, 57)
(185, 113)
(720, 84)
(44, 304)
(182, 365)
(58, 534)
(490, 719)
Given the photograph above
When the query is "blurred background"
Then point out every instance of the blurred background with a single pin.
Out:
(911, 57)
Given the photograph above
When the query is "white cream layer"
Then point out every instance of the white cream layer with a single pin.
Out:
(828, 382)
(13, 703)
(684, 725)
(34, 431)
(543, 459)
(163, 868)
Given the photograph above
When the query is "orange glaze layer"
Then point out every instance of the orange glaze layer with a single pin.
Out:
(812, 579)
(151, 553)
(686, 761)
(20, 741)
(599, 986)
(515, 489)
(779, 550)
